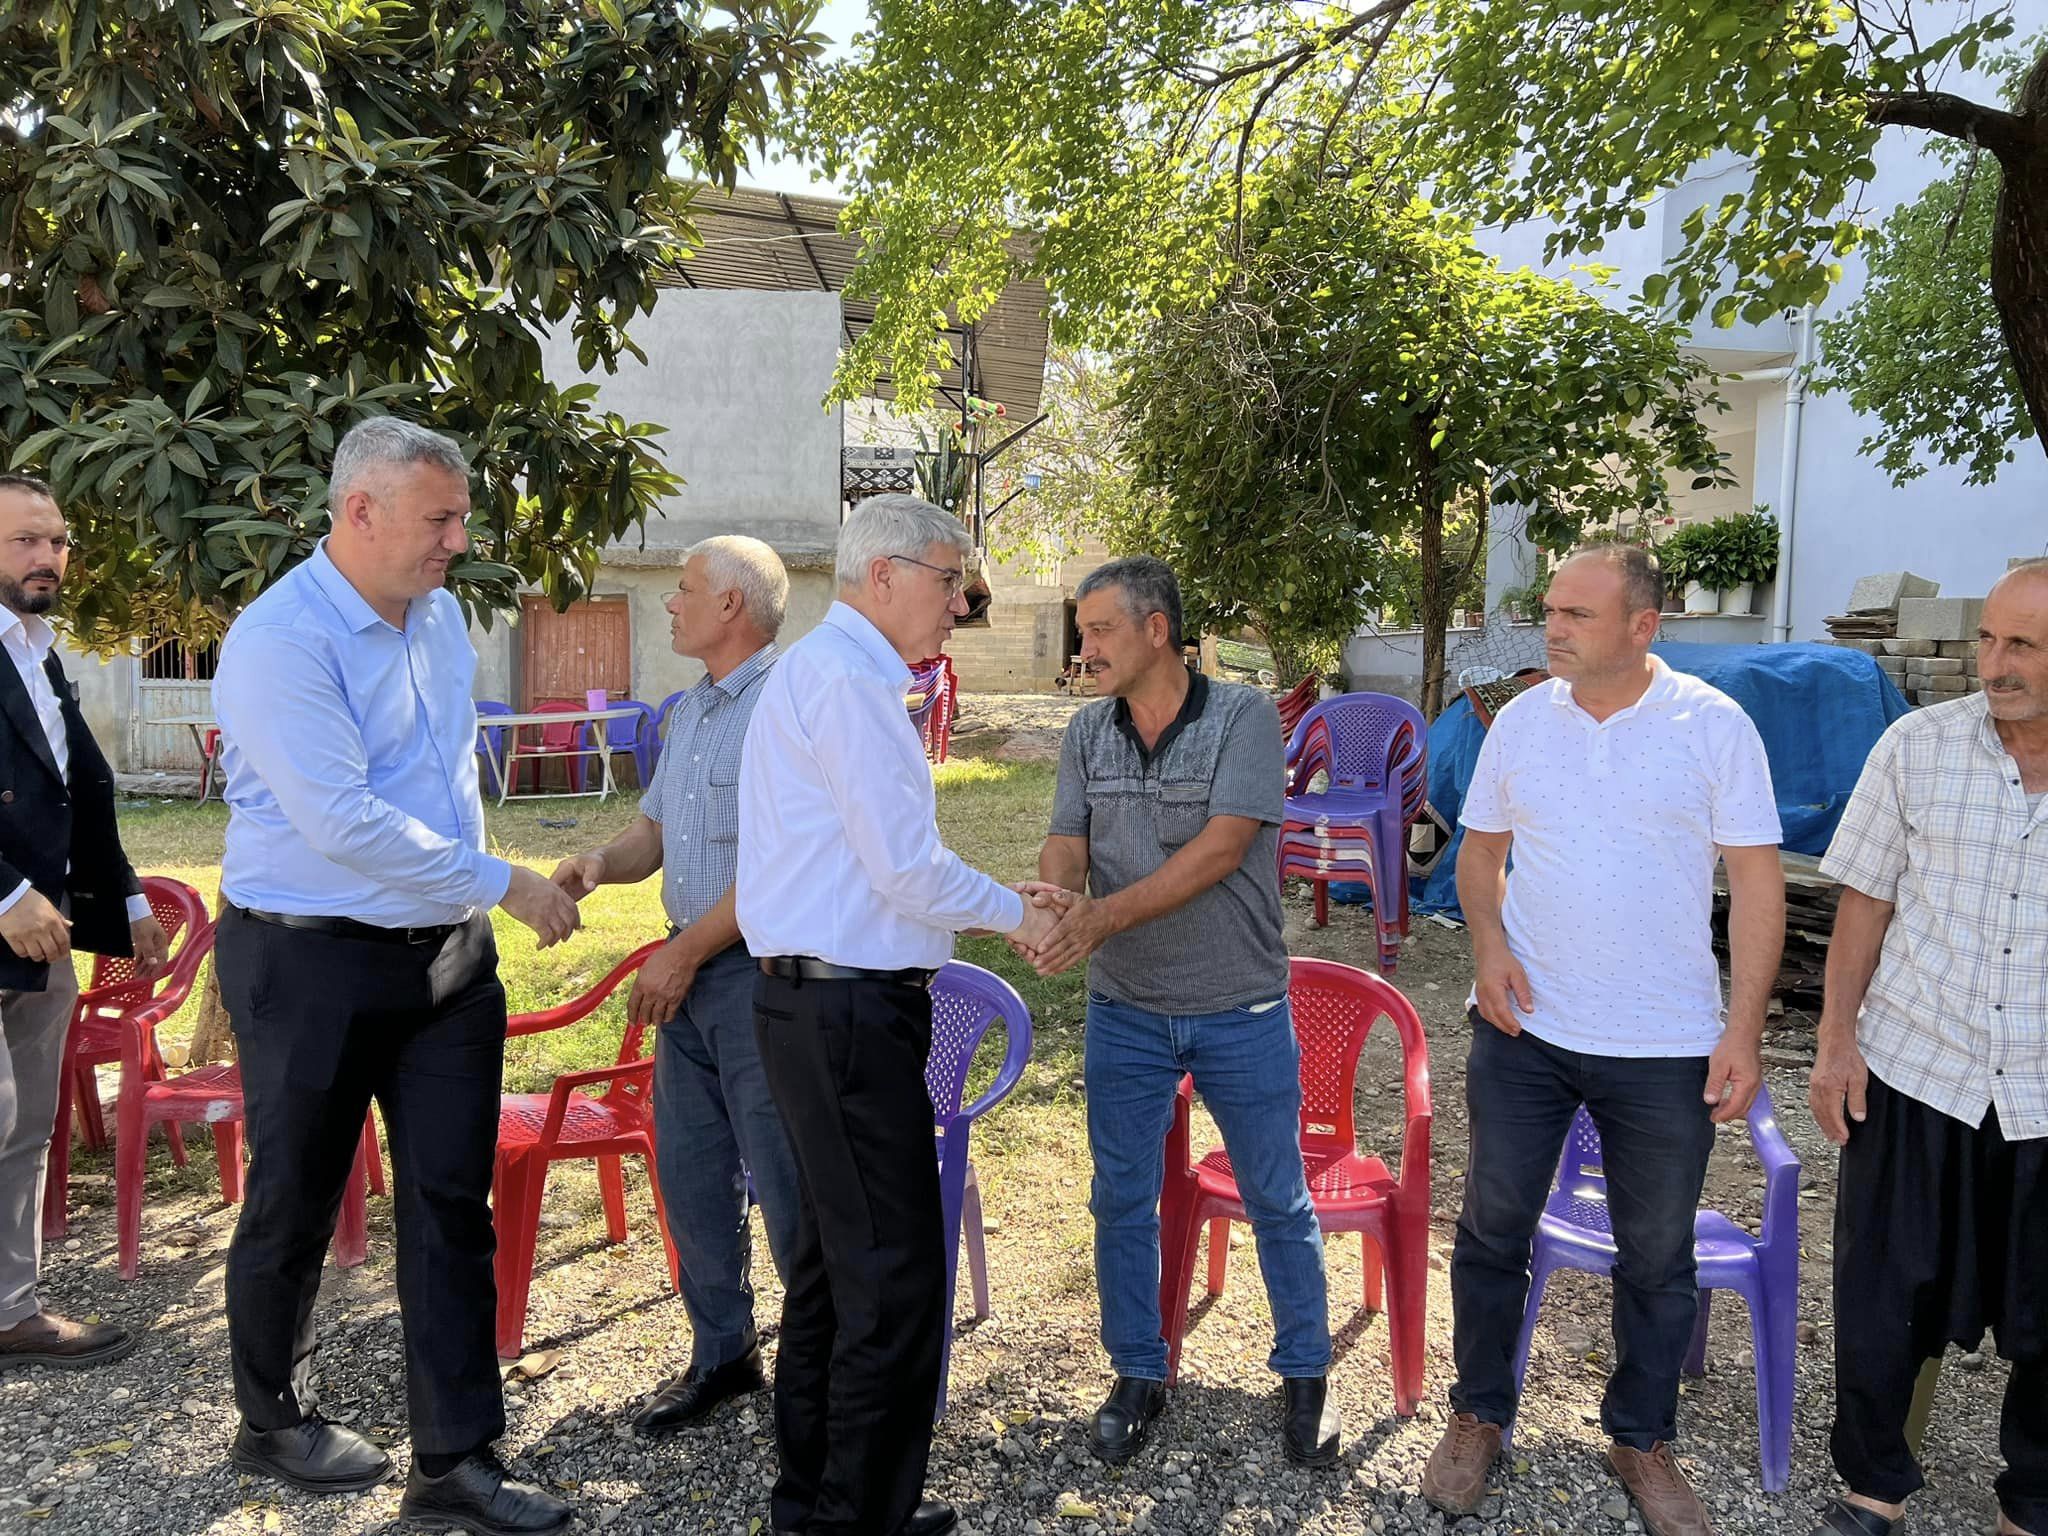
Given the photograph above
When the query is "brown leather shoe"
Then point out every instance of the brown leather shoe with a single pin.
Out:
(1663, 1497)
(1455, 1479)
(47, 1339)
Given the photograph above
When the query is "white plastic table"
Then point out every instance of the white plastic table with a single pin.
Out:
(512, 725)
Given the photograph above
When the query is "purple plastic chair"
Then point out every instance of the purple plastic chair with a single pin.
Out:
(1374, 747)
(490, 740)
(661, 712)
(636, 734)
(1574, 1234)
(966, 1000)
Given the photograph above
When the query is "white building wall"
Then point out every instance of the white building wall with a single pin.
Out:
(1850, 519)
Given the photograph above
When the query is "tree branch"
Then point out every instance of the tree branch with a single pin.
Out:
(1958, 117)
(1322, 42)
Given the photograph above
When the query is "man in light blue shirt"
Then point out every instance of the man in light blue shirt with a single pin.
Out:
(356, 962)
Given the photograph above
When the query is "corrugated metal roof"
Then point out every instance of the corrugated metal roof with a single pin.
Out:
(783, 241)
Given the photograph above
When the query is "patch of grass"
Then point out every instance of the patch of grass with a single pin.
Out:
(993, 814)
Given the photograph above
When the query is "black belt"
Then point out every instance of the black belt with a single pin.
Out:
(804, 968)
(349, 928)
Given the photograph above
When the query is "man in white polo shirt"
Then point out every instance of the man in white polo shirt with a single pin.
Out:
(1617, 785)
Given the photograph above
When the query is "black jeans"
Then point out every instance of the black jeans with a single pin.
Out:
(1941, 1231)
(323, 1024)
(863, 1318)
(1656, 1138)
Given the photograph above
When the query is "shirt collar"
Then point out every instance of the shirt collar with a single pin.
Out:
(743, 676)
(1191, 709)
(1987, 728)
(1662, 681)
(857, 627)
(354, 608)
(34, 629)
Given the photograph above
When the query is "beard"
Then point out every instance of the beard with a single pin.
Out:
(15, 596)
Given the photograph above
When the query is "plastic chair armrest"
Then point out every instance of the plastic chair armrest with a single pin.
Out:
(1180, 1135)
(569, 1082)
(1415, 1138)
(1781, 1171)
(1016, 1057)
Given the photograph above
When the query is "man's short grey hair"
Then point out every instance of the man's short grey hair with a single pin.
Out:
(1147, 585)
(389, 442)
(735, 563)
(895, 524)
(1642, 574)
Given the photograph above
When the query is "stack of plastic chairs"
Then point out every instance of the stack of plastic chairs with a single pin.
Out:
(1297, 701)
(933, 693)
(1374, 750)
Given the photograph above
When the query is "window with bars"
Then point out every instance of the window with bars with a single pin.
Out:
(172, 661)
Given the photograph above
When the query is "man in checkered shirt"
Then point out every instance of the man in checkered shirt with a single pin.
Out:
(1934, 1037)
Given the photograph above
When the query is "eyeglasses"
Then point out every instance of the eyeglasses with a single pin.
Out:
(955, 578)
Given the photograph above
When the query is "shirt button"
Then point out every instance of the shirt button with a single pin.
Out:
(700, 758)
(1998, 1007)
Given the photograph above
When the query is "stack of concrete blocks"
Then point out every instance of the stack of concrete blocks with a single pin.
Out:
(1873, 612)
(1935, 655)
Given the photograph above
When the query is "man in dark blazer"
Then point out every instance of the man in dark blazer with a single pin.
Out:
(64, 884)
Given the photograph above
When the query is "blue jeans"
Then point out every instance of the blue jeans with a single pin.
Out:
(1655, 1139)
(1247, 1068)
(714, 1124)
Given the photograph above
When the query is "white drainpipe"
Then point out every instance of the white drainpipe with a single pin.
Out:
(1788, 470)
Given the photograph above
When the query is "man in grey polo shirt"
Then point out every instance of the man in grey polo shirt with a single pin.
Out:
(1168, 812)
(714, 1122)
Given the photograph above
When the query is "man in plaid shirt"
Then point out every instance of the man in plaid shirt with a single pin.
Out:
(1934, 1039)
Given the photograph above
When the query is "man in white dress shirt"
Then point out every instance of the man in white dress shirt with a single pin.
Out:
(851, 900)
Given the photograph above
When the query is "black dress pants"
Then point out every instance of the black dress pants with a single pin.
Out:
(1941, 1231)
(863, 1319)
(323, 1024)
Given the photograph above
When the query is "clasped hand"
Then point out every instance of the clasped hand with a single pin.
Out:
(1061, 928)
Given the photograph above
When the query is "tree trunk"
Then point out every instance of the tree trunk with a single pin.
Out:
(2019, 228)
(1434, 609)
(2019, 248)
(1291, 663)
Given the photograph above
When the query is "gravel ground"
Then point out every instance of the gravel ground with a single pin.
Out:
(141, 1446)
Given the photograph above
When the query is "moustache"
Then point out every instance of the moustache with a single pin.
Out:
(2005, 684)
(45, 574)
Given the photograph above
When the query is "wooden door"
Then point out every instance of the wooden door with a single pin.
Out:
(565, 655)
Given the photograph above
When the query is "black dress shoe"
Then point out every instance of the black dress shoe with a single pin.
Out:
(931, 1518)
(694, 1394)
(478, 1495)
(1120, 1426)
(1841, 1518)
(312, 1454)
(1309, 1421)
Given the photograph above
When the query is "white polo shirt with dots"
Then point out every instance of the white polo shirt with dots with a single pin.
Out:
(1617, 826)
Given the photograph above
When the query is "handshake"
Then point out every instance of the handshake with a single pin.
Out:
(1061, 928)
(542, 904)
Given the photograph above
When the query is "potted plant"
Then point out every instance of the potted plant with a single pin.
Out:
(1525, 604)
(1751, 557)
(1689, 559)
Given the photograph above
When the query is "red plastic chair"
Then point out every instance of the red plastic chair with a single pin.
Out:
(1334, 1007)
(94, 1040)
(209, 1096)
(209, 753)
(1295, 702)
(567, 737)
(536, 1129)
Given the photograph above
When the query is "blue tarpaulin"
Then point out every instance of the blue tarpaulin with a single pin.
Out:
(1819, 709)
